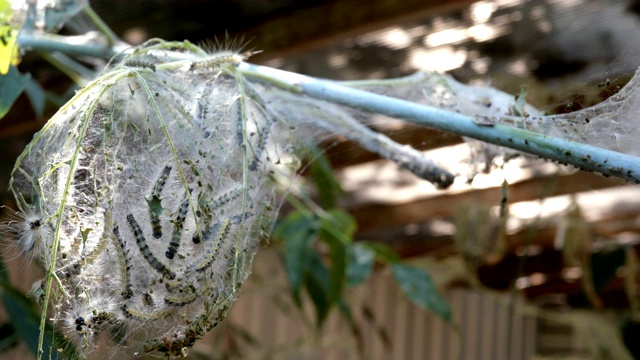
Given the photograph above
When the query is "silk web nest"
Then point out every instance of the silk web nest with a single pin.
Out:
(146, 196)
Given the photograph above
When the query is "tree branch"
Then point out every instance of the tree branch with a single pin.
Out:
(583, 156)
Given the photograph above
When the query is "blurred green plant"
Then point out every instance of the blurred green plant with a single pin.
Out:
(321, 257)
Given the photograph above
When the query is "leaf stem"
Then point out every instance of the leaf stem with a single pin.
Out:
(77, 45)
(73, 69)
(111, 37)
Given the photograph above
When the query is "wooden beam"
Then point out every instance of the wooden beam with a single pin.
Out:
(443, 205)
(331, 22)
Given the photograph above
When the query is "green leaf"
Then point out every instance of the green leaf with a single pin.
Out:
(340, 224)
(4, 274)
(322, 175)
(155, 205)
(9, 338)
(360, 263)
(337, 231)
(9, 27)
(317, 284)
(418, 286)
(56, 16)
(298, 231)
(37, 97)
(384, 252)
(11, 86)
(25, 318)
(605, 265)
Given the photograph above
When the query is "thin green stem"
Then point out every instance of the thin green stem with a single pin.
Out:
(56, 238)
(73, 69)
(112, 38)
(70, 45)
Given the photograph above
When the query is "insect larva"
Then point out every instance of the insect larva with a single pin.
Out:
(146, 252)
(225, 198)
(101, 317)
(240, 120)
(125, 267)
(203, 110)
(215, 60)
(69, 271)
(97, 250)
(185, 295)
(139, 63)
(237, 219)
(80, 323)
(213, 249)
(147, 299)
(28, 229)
(144, 315)
(257, 152)
(161, 182)
(206, 234)
(75, 268)
(94, 321)
(264, 132)
(178, 226)
(155, 206)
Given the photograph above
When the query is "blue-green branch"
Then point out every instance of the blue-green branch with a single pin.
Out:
(79, 45)
(583, 156)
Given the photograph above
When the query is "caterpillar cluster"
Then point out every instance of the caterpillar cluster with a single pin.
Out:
(165, 167)
(143, 168)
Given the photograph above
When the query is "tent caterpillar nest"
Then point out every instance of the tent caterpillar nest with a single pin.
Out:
(183, 239)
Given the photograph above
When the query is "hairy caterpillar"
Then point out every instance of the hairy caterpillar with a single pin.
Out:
(178, 223)
(140, 63)
(215, 60)
(28, 231)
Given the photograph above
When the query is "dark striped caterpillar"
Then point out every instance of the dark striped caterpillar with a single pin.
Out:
(140, 63)
(144, 249)
(178, 223)
(125, 266)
